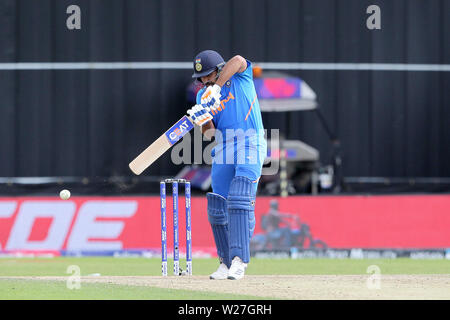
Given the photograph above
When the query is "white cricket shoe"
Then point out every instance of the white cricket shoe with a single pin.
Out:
(237, 269)
(221, 273)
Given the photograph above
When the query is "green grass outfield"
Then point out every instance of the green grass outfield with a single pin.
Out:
(107, 266)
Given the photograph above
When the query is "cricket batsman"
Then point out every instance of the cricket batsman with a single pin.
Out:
(228, 105)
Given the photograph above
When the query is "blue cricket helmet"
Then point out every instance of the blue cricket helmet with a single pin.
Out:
(206, 62)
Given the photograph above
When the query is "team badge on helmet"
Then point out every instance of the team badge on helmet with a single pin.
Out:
(206, 62)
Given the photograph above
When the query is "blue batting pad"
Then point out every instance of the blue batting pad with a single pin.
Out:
(218, 218)
(241, 216)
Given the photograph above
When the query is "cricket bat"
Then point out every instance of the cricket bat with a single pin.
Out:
(161, 145)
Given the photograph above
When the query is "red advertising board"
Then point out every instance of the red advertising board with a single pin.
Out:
(128, 223)
(421, 221)
(94, 223)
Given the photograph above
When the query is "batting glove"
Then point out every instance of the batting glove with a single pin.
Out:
(199, 114)
(211, 97)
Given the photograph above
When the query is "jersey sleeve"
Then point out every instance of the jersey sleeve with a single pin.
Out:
(198, 99)
(247, 73)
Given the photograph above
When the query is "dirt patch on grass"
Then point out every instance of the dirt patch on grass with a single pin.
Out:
(298, 287)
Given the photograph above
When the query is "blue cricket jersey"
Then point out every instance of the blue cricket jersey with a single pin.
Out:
(239, 107)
